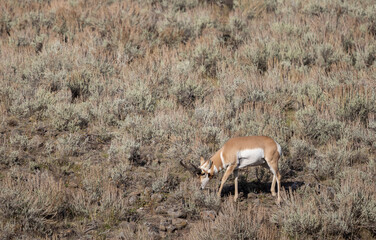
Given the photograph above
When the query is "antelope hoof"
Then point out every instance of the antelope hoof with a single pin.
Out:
(274, 194)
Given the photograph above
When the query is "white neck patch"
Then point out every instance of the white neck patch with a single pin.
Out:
(223, 160)
(205, 166)
(215, 169)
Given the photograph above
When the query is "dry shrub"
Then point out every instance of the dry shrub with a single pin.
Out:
(176, 32)
(166, 182)
(301, 152)
(38, 203)
(346, 209)
(316, 129)
(72, 144)
(313, 8)
(258, 55)
(362, 138)
(8, 230)
(357, 108)
(327, 56)
(196, 199)
(125, 148)
(255, 9)
(187, 92)
(138, 98)
(31, 104)
(235, 223)
(139, 232)
(205, 59)
(69, 117)
(337, 157)
(79, 83)
(100, 199)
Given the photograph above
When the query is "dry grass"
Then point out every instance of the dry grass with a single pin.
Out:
(99, 100)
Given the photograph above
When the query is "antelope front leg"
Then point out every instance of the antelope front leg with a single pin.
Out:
(272, 189)
(236, 173)
(229, 170)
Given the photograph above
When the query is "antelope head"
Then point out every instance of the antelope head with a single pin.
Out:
(203, 172)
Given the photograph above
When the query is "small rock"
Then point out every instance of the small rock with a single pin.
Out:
(133, 199)
(40, 129)
(256, 202)
(251, 195)
(171, 228)
(208, 215)
(147, 191)
(128, 226)
(141, 210)
(170, 225)
(163, 235)
(72, 183)
(365, 234)
(176, 213)
(295, 186)
(154, 236)
(36, 142)
(12, 122)
(164, 224)
(160, 210)
(69, 233)
(331, 193)
(179, 223)
(152, 231)
(157, 197)
(241, 195)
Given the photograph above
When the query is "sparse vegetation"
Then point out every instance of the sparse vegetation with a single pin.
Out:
(100, 100)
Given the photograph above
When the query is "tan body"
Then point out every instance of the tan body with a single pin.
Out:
(241, 152)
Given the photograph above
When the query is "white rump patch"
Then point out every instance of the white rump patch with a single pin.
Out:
(271, 169)
(250, 157)
(279, 149)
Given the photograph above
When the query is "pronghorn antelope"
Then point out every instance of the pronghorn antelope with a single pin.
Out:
(237, 153)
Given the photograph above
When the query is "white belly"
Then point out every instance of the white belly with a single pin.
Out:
(250, 157)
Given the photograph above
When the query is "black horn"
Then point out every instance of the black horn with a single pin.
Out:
(210, 164)
(193, 169)
(196, 169)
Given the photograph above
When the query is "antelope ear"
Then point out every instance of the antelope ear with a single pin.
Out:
(202, 160)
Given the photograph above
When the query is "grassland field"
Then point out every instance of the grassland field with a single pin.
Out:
(101, 99)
